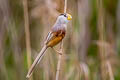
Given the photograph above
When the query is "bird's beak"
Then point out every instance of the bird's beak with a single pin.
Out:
(69, 17)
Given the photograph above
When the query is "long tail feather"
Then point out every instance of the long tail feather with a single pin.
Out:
(36, 61)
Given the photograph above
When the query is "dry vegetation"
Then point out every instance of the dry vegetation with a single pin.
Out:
(91, 48)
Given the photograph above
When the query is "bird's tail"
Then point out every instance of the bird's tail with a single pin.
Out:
(36, 61)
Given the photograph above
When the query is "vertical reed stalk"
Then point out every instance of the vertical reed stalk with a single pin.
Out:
(84, 15)
(101, 38)
(105, 66)
(59, 61)
(65, 6)
(61, 46)
(27, 33)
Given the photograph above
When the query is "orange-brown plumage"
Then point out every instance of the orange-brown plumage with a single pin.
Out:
(57, 37)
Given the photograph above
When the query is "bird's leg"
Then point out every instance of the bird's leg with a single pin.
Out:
(57, 51)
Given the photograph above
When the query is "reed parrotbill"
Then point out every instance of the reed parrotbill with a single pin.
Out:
(54, 37)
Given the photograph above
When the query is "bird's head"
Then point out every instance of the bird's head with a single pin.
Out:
(64, 18)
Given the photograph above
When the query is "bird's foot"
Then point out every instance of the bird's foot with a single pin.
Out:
(59, 52)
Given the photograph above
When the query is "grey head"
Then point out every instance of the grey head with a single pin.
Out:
(64, 18)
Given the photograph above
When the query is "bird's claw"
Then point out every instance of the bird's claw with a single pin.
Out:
(59, 52)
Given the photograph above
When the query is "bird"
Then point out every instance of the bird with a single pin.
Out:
(55, 36)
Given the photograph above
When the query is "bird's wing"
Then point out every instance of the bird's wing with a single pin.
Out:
(49, 37)
(52, 35)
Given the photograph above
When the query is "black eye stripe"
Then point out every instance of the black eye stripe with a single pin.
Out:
(61, 14)
(64, 15)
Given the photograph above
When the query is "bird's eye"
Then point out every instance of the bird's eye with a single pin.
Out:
(65, 15)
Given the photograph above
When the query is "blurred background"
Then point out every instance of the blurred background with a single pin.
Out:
(91, 46)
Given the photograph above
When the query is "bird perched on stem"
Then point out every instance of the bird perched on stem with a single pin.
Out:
(54, 37)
